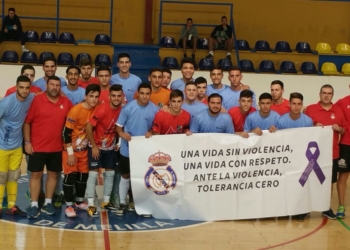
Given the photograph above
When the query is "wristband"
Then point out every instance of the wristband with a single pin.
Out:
(27, 142)
(70, 150)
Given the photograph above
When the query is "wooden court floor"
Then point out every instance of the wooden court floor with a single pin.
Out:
(315, 232)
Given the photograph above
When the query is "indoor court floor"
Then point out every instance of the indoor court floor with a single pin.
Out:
(135, 232)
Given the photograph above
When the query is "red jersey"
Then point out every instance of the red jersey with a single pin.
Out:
(166, 123)
(238, 118)
(33, 89)
(104, 120)
(326, 118)
(47, 121)
(344, 105)
(282, 108)
(85, 84)
(104, 96)
(205, 101)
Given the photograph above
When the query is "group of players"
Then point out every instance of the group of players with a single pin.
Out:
(99, 116)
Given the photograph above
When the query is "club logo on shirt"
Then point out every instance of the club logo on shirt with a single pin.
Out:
(61, 106)
(342, 163)
(160, 177)
(348, 106)
(70, 120)
(332, 116)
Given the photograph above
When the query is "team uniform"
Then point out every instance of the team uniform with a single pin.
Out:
(178, 84)
(41, 83)
(129, 84)
(328, 117)
(75, 96)
(203, 122)
(12, 115)
(46, 121)
(282, 108)
(193, 108)
(285, 122)
(82, 84)
(238, 118)
(255, 120)
(103, 120)
(230, 98)
(165, 123)
(159, 98)
(204, 101)
(77, 174)
(33, 89)
(212, 90)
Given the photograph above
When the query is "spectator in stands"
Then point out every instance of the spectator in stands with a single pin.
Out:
(187, 71)
(11, 28)
(221, 38)
(189, 33)
(86, 69)
(166, 78)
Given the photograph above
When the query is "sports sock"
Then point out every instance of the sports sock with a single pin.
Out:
(116, 181)
(108, 185)
(35, 204)
(11, 188)
(91, 202)
(69, 203)
(80, 186)
(47, 201)
(123, 189)
(211, 53)
(90, 186)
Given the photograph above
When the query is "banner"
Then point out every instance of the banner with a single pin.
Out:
(226, 177)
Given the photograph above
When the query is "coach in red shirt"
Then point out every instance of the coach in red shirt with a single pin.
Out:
(324, 113)
(43, 129)
(279, 104)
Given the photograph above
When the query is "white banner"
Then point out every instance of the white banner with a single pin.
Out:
(225, 177)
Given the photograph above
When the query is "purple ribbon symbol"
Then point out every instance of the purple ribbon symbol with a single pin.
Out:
(313, 165)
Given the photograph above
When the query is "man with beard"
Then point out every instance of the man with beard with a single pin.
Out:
(211, 120)
(49, 68)
(86, 69)
(279, 104)
(187, 71)
(13, 110)
(73, 92)
(190, 104)
(176, 121)
(129, 81)
(263, 119)
(43, 142)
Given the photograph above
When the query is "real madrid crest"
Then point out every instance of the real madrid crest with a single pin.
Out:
(61, 106)
(160, 177)
(332, 116)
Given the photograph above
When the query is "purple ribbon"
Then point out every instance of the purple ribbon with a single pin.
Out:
(313, 165)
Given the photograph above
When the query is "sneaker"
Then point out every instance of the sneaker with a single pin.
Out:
(28, 195)
(70, 212)
(121, 210)
(108, 206)
(16, 211)
(58, 200)
(82, 206)
(228, 57)
(41, 199)
(329, 214)
(48, 209)
(24, 49)
(301, 217)
(146, 215)
(33, 212)
(185, 55)
(341, 212)
(210, 56)
(115, 200)
(92, 211)
(131, 206)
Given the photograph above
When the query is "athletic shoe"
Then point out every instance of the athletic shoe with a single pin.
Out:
(48, 209)
(70, 212)
(329, 214)
(115, 200)
(16, 211)
(58, 200)
(341, 212)
(108, 206)
(121, 210)
(146, 215)
(92, 211)
(211, 57)
(82, 206)
(131, 206)
(33, 212)
(301, 217)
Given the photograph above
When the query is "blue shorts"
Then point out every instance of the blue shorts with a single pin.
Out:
(108, 159)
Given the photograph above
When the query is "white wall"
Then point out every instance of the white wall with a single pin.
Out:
(309, 86)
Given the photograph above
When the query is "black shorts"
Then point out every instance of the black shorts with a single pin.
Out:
(108, 159)
(344, 158)
(124, 164)
(335, 171)
(52, 160)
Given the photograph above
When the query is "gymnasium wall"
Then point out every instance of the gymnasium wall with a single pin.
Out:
(271, 20)
(309, 86)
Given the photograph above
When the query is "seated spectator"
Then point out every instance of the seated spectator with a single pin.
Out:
(11, 28)
(189, 33)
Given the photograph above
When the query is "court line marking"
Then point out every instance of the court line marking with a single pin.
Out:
(344, 224)
(323, 223)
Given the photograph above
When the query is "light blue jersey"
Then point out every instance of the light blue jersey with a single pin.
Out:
(212, 90)
(178, 84)
(285, 122)
(75, 96)
(230, 98)
(203, 122)
(12, 115)
(194, 108)
(129, 84)
(136, 120)
(41, 83)
(255, 120)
